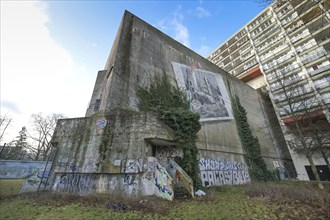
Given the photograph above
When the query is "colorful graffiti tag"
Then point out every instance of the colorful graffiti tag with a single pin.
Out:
(157, 181)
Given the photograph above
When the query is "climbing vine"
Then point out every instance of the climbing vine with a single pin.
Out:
(171, 106)
(251, 147)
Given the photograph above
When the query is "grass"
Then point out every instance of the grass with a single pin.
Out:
(10, 186)
(288, 200)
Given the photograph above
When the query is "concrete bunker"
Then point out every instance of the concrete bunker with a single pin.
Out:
(118, 149)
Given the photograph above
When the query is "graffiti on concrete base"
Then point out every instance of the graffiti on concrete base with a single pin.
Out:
(38, 180)
(133, 166)
(217, 172)
(157, 181)
(130, 183)
(80, 184)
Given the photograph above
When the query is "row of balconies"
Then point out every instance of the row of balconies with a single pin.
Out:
(286, 69)
(326, 97)
(250, 64)
(259, 20)
(245, 48)
(240, 35)
(306, 46)
(266, 35)
(247, 56)
(313, 55)
(270, 42)
(287, 80)
(299, 36)
(242, 41)
(318, 68)
(289, 19)
(272, 52)
(284, 11)
(322, 83)
(278, 61)
(262, 27)
(294, 27)
(298, 106)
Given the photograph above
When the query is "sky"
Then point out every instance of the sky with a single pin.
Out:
(51, 51)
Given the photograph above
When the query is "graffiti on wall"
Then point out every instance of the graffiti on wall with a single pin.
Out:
(206, 92)
(130, 183)
(168, 152)
(133, 166)
(80, 184)
(157, 181)
(217, 172)
(38, 180)
(19, 169)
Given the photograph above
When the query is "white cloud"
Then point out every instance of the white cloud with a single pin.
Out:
(37, 73)
(202, 12)
(204, 50)
(174, 27)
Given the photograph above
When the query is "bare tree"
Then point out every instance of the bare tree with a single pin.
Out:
(5, 121)
(42, 130)
(302, 112)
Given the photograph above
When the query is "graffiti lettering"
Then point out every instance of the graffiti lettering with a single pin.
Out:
(133, 166)
(214, 172)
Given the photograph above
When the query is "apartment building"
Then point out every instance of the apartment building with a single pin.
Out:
(284, 52)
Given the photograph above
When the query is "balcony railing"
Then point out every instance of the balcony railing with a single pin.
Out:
(306, 46)
(319, 68)
(289, 19)
(314, 55)
(300, 35)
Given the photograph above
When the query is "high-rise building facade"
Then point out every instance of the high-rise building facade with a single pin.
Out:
(284, 51)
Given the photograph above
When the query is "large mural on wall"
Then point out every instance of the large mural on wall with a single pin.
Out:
(206, 92)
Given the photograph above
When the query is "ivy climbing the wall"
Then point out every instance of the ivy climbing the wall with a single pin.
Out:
(251, 147)
(171, 106)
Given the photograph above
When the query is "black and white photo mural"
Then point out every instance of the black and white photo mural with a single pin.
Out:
(206, 92)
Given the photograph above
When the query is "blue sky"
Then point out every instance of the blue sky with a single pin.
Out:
(51, 50)
(87, 28)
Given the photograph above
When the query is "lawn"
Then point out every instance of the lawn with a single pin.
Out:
(289, 200)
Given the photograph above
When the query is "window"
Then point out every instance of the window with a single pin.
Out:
(97, 104)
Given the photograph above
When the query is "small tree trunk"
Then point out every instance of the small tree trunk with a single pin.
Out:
(326, 159)
(314, 170)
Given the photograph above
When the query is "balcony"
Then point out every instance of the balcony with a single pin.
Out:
(250, 64)
(326, 98)
(315, 54)
(322, 83)
(247, 56)
(281, 71)
(259, 20)
(294, 27)
(284, 11)
(299, 36)
(278, 61)
(306, 46)
(319, 68)
(270, 43)
(289, 19)
(273, 52)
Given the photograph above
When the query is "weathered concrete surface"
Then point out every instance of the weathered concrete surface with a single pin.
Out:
(155, 181)
(144, 52)
(111, 147)
(107, 143)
